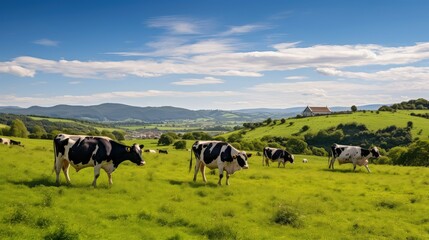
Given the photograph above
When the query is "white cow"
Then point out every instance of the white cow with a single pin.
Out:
(352, 154)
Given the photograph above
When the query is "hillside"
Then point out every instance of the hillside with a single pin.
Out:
(113, 112)
(372, 120)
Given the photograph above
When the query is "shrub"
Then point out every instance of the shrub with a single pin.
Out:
(165, 140)
(319, 151)
(296, 145)
(61, 233)
(180, 144)
(287, 216)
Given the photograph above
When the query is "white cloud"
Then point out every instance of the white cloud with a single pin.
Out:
(169, 47)
(296, 77)
(206, 80)
(242, 29)
(96, 98)
(178, 24)
(46, 42)
(392, 74)
(15, 69)
(223, 63)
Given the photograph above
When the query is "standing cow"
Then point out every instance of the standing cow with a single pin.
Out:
(274, 154)
(88, 151)
(352, 154)
(216, 154)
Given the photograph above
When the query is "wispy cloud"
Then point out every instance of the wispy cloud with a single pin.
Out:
(296, 77)
(178, 24)
(229, 63)
(243, 29)
(168, 47)
(206, 80)
(14, 69)
(46, 42)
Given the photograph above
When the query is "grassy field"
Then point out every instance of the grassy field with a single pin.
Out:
(373, 121)
(160, 201)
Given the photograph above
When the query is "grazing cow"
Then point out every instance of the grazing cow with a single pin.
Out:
(5, 141)
(305, 160)
(216, 154)
(274, 154)
(352, 154)
(13, 142)
(149, 151)
(163, 151)
(88, 151)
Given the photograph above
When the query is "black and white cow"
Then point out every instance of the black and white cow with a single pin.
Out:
(88, 151)
(5, 141)
(216, 154)
(275, 154)
(352, 154)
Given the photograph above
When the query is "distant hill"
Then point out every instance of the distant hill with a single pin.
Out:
(114, 112)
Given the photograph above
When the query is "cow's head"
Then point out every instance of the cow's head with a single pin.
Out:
(136, 154)
(242, 159)
(375, 153)
(290, 158)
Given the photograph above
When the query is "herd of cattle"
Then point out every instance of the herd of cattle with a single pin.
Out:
(104, 153)
(8, 141)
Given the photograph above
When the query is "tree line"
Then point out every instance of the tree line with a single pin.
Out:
(26, 127)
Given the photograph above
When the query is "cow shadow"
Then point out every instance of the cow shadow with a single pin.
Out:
(40, 181)
(343, 170)
(47, 181)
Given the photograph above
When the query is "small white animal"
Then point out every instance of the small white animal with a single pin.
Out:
(305, 160)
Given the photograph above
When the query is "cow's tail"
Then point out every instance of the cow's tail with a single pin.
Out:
(190, 162)
(55, 156)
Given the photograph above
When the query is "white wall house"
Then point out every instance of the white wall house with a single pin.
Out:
(313, 111)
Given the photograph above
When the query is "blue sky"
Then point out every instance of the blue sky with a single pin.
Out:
(213, 54)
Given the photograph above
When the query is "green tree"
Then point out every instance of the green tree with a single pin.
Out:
(38, 132)
(108, 134)
(410, 124)
(165, 140)
(180, 144)
(296, 145)
(18, 129)
(417, 155)
(354, 108)
(119, 135)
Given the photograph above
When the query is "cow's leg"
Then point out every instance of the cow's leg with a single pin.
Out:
(66, 166)
(96, 174)
(58, 167)
(108, 170)
(220, 175)
(354, 167)
(227, 178)
(197, 167)
(367, 168)
(331, 163)
(203, 171)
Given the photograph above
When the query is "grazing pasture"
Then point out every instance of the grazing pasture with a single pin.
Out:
(160, 201)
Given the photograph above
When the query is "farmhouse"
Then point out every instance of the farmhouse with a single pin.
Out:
(313, 111)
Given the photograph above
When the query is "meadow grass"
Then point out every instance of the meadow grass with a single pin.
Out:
(372, 120)
(160, 201)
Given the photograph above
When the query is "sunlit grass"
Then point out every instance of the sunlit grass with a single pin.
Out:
(160, 201)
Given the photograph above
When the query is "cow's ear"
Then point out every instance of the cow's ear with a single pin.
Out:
(234, 157)
(128, 149)
(141, 146)
(248, 155)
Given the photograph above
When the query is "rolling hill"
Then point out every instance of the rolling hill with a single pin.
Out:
(114, 112)
(372, 120)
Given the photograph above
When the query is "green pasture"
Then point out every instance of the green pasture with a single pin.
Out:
(372, 120)
(160, 201)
